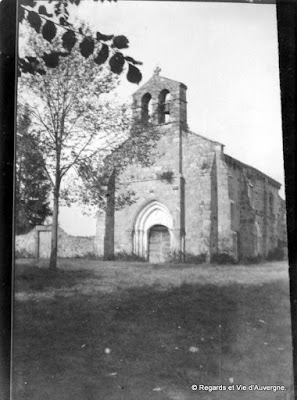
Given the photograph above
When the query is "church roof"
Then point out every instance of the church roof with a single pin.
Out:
(236, 163)
(205, 138)
(233, 162)
(170, 80)
(155, 77)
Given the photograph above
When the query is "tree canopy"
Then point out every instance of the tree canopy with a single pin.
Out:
(32, 184)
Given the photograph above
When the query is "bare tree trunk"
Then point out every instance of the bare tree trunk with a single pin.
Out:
(109, 219)
(54, 242)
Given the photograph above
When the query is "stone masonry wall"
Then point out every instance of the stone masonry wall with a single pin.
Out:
(75, 246)
(27, 244)
(200, 194)
(68, 246)
(256, 205)
(178, 108)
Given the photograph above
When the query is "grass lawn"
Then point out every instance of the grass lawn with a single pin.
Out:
(167, 327)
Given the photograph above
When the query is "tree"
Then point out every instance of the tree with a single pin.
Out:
(72, 121)
(32, 184)
(48, 25)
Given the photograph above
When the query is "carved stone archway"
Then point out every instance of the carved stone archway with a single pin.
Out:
(153, 213)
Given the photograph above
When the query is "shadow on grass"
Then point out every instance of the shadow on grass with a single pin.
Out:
(32, 278)
(236, 331)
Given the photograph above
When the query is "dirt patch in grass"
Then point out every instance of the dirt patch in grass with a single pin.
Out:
(240, 332)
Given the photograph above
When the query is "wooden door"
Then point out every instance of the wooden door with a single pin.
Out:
(159, 244)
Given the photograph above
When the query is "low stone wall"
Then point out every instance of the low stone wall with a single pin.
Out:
(29, 245)
(75, 246)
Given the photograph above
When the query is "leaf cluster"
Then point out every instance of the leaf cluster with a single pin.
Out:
(167, 176)
(49, 26)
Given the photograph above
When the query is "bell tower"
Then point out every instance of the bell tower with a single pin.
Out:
(161, 100)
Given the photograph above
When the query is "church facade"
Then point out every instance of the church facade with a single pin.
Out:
(194, 198)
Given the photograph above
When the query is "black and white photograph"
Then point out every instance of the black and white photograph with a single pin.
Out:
(150, 230)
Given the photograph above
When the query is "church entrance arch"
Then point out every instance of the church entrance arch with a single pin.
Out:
(152, 223)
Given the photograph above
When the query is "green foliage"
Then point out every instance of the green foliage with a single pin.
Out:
(120, 42)
(32, 183)
(123, 256)
(87, 47)
(23, 254)
(178, 257)
(102, 55)
(42, 11)
(34, 20)
(87, 256)
(251, 260)
(116, 63)
(222, 258)
(70, 119)
(49, 31)
(133, 74)
(135, 148)
(167, 176)
(276, 254)
(68, 40)
(49, 27)
(205, 165)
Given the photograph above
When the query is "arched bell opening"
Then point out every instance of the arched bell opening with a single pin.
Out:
(146, 107)
(164, 107)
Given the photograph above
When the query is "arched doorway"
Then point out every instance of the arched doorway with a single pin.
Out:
(159, 244)
(150, 215)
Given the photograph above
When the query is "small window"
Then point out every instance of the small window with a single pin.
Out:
(164, 106)
(146, 107)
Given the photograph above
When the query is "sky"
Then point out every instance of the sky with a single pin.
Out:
(227, 56)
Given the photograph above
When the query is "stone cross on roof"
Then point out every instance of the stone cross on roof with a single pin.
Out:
(157, 70)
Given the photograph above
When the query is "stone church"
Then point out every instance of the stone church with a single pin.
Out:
(210, 202)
